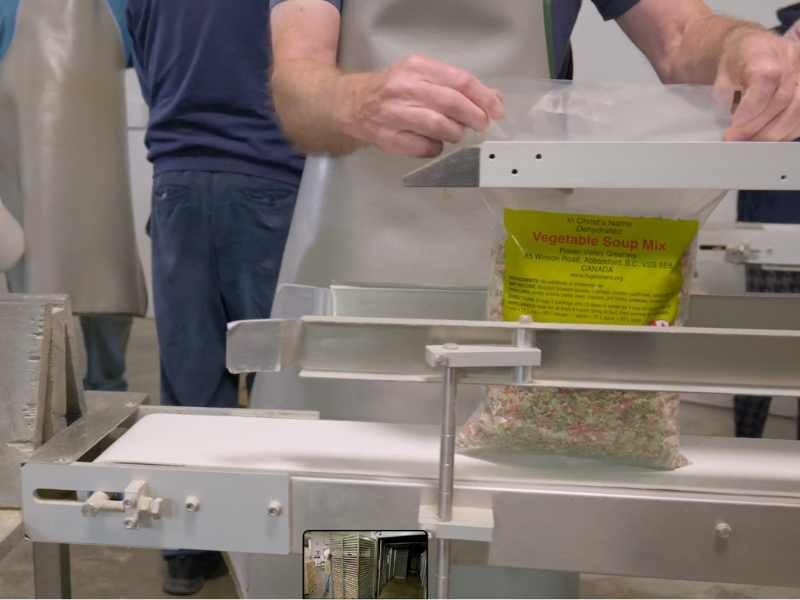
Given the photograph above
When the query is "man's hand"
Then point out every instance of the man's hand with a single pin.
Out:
(416, 106)
(765, 68)
(411, 109)
(687, 43)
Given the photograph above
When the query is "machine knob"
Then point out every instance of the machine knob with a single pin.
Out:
(724, 531)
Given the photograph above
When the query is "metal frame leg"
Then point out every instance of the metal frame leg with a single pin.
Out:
(446, 478)
(51, 571)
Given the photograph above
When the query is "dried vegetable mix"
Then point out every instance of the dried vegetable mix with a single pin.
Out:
(610, 270)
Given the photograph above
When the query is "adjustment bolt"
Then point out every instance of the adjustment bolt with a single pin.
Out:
(274, 509)
(724, 531)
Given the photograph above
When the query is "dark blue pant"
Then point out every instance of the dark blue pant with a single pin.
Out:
(106, 340)
(751, 412)
(218, 240)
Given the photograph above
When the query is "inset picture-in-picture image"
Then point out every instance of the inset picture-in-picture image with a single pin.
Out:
(365, 564)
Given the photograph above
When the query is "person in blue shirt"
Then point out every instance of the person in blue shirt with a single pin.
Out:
(224, 190)
(751, 412)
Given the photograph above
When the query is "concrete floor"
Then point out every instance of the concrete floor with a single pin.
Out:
(122, 573)
(402, 588)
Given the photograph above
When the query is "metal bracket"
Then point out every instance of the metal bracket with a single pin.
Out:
(616, 165)
(770, 246)
(447, 521)
(465, 357)
(468, 523)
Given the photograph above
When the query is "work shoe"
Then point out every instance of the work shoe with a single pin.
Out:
(186, 573)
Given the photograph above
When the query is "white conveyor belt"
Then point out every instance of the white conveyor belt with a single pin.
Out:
(719, 465)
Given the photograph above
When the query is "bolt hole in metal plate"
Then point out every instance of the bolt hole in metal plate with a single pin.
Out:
(640, 165)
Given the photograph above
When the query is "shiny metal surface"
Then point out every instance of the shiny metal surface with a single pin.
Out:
(39, 378)
(740, 311)
(616, 165)
(667, 534)
(77, 440)
(446, 476)
(232, 516)
(641, 534)
(305, 415)
(458, 169)
(760, 362)
(443, 567)
(64, 156)
(447, 450)
(747, 311)
(770, 245)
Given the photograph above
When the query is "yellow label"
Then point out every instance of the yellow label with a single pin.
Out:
(572, 268)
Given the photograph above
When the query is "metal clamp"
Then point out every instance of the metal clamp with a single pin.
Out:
(452, 357)
(135, 504)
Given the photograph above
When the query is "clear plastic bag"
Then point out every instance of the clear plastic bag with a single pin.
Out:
(638, 428)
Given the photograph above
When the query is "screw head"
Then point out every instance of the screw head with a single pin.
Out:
(274, 509)
(192, 504)
(724, 531)
(130, 523)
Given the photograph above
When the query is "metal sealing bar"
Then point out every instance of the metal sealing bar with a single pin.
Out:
(694, 360)
(617, 165)
(746, 311)
(640, 165)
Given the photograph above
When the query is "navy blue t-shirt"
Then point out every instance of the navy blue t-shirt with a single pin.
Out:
(563, 15)
(203, 66)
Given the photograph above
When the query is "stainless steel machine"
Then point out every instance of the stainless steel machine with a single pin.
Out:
(254, 481)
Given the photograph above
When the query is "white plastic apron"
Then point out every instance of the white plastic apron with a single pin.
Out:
(355, 224)
(64, 156)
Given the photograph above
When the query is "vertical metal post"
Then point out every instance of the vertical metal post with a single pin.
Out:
(523, 338)
(447, 457)
(447, 451)
(51, 571)
(443, 568)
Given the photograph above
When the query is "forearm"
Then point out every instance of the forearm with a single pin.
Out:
(412, 108)
(311, 100)
(683, 39)
(695, 57)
